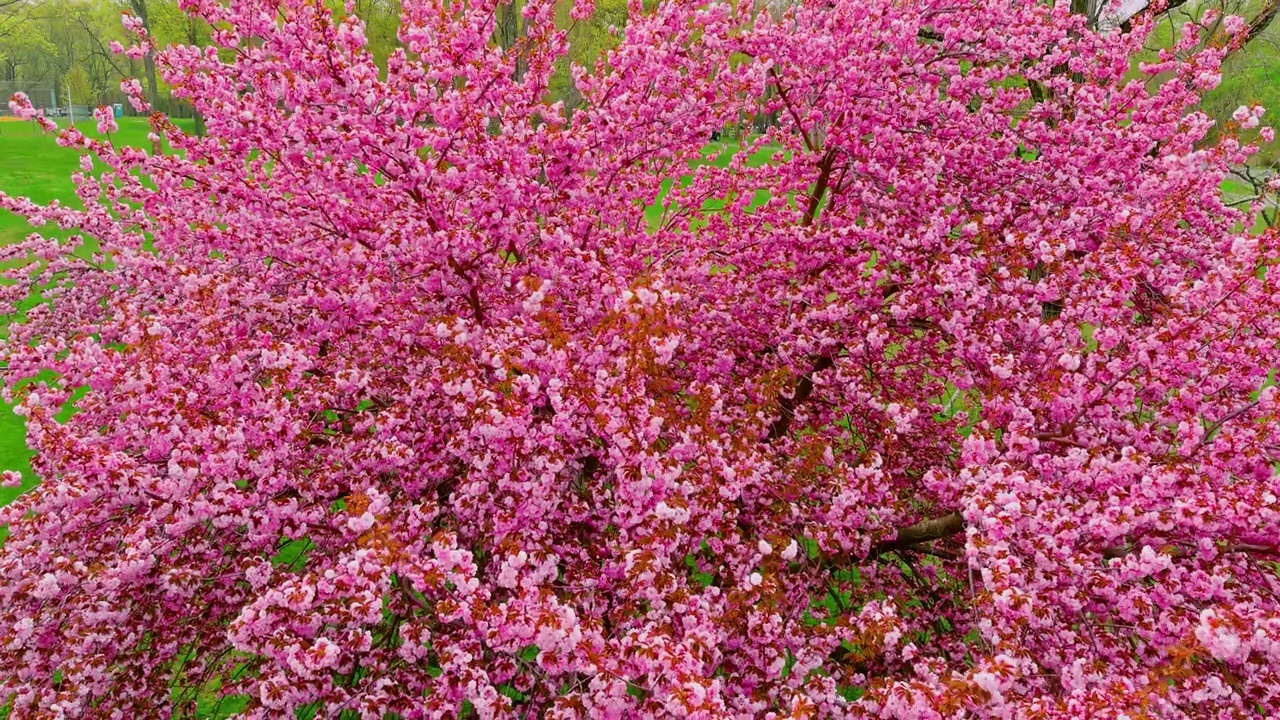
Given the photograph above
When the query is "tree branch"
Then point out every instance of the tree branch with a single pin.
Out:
(953, 523)
(819, 187)
(407, 591)
(921, 532)
(782, 93)
(787, 405)
(1119, 551)
(1263, 20)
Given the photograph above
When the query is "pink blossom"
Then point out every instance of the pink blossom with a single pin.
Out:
(789, 552)
(950, 392)
(1248, 116)
(133, 24)
(106, 119)
(133, 90)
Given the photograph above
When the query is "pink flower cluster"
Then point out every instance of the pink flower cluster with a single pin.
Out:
(949, 396)
(106, 119)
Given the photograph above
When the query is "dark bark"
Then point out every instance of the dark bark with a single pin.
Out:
(819, 188)
(140, 8)
(922, 532)
(1262, 21)
(193, 38)
(803, 389)
(508, 33)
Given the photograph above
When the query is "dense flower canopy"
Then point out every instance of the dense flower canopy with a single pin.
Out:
(949, 395)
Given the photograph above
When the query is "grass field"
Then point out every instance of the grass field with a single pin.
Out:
(31, 165)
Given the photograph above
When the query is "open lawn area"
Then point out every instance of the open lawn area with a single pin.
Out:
(32, 165)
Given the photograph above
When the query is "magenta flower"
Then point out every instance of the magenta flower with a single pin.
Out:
(409, 393)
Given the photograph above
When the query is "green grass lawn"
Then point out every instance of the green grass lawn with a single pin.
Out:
(32, 165)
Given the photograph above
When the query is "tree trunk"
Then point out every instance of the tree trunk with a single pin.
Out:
(139, 8)
(193, 38)
(153, 89)
(508, 32)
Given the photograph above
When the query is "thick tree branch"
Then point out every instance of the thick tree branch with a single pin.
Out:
(1119, 551)
(803, 389)
(953, 523)
(921, 532)
(819, 187)
(1133, 8)
(1136, 8)
(1262, 21)
(795, 116)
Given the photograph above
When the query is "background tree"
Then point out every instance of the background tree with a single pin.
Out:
(382, 22)
(589, 39)
(141, 9)
(98, 25)
(59, 41)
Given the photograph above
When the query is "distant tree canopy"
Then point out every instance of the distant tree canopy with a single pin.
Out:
(49, 43)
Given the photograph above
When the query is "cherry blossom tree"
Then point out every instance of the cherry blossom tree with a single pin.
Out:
(394, 404)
